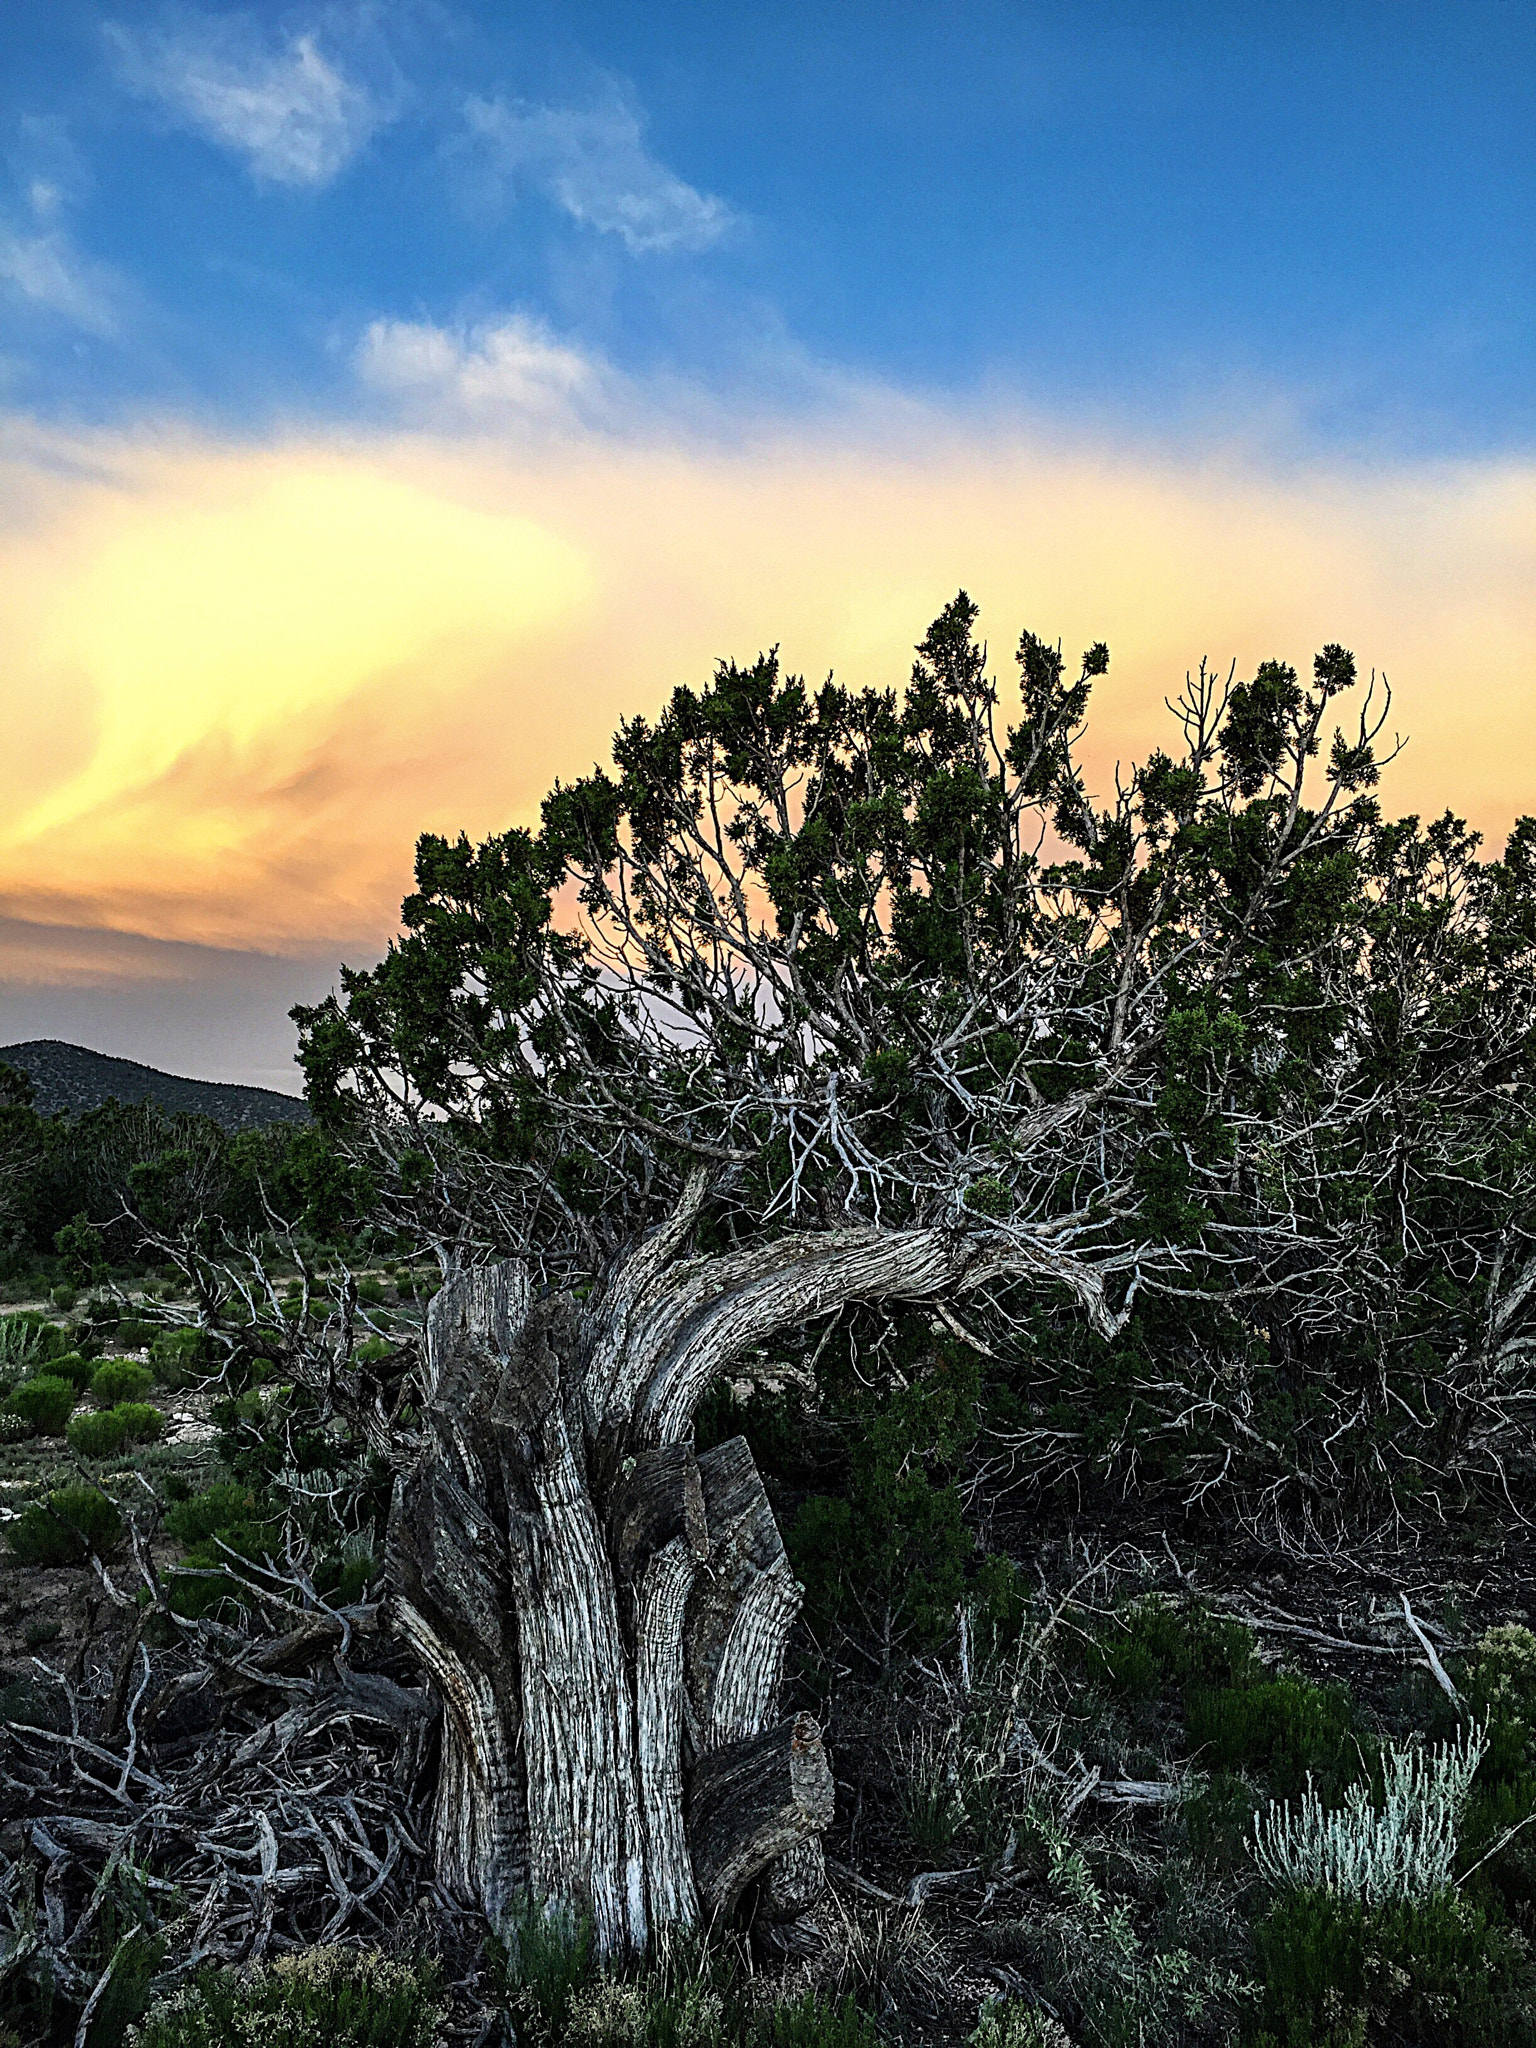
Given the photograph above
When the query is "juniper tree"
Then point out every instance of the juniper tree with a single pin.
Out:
(818, 998)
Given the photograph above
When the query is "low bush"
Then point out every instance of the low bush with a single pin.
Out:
(1499, 1689)
(372, 1291)
(1405, 1847)
(74, 1368)
(119, 1379)
(227, 1514)
(1438, 1972)
(134, 1334)
(143, 1422)
(64, 1296)
(29, 1339)
(97, 1433)
(45, 1404)
(1156, 1648)
(216, 1509)
(1287, 1728)
(319, 1998)
(14, 1429)
(74, 1521)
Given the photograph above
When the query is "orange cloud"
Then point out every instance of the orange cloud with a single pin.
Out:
(239, 680)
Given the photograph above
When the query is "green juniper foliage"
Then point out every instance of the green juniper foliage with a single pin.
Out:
(62, 1529)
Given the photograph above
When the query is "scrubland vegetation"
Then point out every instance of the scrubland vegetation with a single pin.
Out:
(942, 1384)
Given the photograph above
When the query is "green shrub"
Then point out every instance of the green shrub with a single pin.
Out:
(14, 1428)
(134, 1334)
(373, 1350)
(1438, 1972)
(1287, 1728)
(97, 1433)
(28, 1338)
(372, 1291)
(72, 1367)
(64, 1296)
(886, 1560)
(177, 1356)
(317, 1998)
(45, 1403)
(75, 1520)
(143, 1421)
(119, 1379)
(1156, 1647)
(226, 1514)
(209, 1513)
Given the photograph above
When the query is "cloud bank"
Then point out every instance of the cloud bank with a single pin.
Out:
(241, 679)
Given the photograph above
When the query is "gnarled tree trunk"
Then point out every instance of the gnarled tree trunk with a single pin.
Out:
(603, 1612)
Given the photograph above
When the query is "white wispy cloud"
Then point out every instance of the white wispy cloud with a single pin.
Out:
(290, 111)
(593, 162)
(511, 369)
(48, 271)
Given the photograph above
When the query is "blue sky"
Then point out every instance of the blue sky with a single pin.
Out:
(1317, 219)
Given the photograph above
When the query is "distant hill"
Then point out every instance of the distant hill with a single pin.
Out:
(72, 1078)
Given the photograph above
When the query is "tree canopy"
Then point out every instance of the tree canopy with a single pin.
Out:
(882, 960)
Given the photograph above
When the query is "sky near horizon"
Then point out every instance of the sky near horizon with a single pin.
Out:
(392, 397)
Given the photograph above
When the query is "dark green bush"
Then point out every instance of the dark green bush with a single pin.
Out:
(228, 1514)
(372, 1291)
(97, 1433)
(1438, 1973)
(885, 1560)
(341, 1998)
(45, 1403)
(1499, 1689)
(74, 1520)
(1157, 1647)
(134, 1334)
(74, 1368)
(119, 1379)
(1286, 1728)
(143, 1422)
(218, 1508)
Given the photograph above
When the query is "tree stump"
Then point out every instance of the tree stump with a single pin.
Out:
(603, 1612)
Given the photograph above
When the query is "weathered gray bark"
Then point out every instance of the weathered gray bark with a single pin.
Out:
(604, 1615)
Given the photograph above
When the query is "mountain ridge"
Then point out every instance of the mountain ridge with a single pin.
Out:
(72, 1079)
